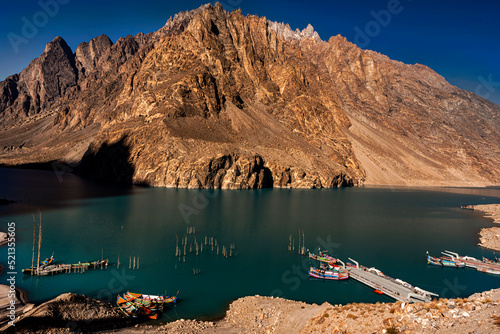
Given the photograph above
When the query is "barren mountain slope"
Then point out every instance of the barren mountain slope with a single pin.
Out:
(219, 100)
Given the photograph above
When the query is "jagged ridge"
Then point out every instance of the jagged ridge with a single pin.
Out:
(219, 100)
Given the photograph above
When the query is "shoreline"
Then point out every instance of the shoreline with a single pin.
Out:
(3, 238)
(259, 314)
(489, 237)
(21, 304)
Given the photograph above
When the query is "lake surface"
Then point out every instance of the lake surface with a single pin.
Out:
(388, 228)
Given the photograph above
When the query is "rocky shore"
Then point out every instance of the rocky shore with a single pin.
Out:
(3, 238)
(489, 237)
(480, 313)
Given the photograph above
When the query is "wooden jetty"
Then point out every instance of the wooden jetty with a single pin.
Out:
(53, 269)
(394, 288)
(471, 262)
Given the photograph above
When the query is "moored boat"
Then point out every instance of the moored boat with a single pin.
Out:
(444, 261)
(494, 261)
(42, 265)
(323, 257)
(143, 307)
(154, 300)
(332, 274)
(126, 307)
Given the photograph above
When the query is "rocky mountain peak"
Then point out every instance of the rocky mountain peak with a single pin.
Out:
(287, 33)
(48, 77)
(56, 43)
(89, 53)
(177, 24)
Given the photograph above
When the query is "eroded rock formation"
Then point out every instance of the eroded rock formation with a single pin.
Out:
(219, 100)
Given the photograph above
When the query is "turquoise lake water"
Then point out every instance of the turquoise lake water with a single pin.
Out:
(388, 228)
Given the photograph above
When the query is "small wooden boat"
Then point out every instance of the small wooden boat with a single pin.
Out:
(333, 274)
(378, 291)
(42, 265)
(323, 257)
(159, 300)
(143, 307)
(126, 307)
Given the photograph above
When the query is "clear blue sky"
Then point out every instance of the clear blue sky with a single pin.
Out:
(458, 39)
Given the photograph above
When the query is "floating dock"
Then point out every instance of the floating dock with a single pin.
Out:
(53, 269)
(394, 288)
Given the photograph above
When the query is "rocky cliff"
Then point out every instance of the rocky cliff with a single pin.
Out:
(219, 100)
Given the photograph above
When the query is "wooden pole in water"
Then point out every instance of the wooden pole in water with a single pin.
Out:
(176, 244)
(137, 262)
(134, 264)
(39, 244)
(118, 262)
(33, 252)
(303, 244)
(130, 262)
(299, 241)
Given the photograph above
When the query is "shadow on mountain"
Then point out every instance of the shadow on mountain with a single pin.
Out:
(111, 162)
(105, 172)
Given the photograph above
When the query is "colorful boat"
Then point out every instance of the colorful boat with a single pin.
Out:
(155, 301)
(323, 257)
(444, 261)
(143, 307)
(494, 261)
(126, 307)
(332, 274)
(43, 264)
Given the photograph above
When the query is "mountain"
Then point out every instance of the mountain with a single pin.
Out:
(215, 99)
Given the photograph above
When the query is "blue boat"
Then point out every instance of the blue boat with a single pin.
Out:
(444, 261)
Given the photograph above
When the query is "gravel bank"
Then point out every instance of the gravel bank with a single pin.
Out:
(490, 237)
(480, 313)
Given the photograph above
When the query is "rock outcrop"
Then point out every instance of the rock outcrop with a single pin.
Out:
(219, 100)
